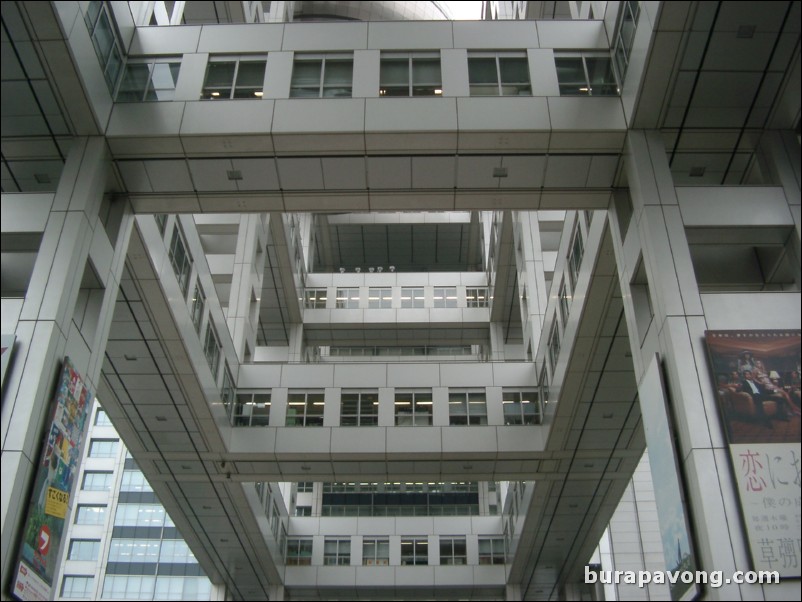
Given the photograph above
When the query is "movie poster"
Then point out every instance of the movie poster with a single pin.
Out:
(59, 462)
(756, 377)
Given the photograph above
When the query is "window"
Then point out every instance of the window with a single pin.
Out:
(322, 76)
(404, 74)
(84, 549)
(625, 36)
(103, 448)
(467, 408)
(198, 305)
(180, 260)
(306, 486)
(375, 551)
(453, 550)
(128, 587)
(211, 349)
(380, 298)
(586, 76)
(102, 419)
(575, 257)
(234, 78)
(563, 296)
(252, 409)
(414, 551)
(477, 297)
(337, 551)
(315, 298)
(76, 586)
(227, 391)
(554, 346)
(182, 588)
(299, 552)
(101, 28)
(412, 298)
(491, 550)
(305, 409)
(347, 298)
(176, 551)
(445, 297)
(161, 222)
(90, 515)
(413, 408)
(134, 480)
(359, 409)
(499, 75)
(97, 480)
(521, 407)
(149, 81)
(303, 510)
(134, 550)
(139, 515)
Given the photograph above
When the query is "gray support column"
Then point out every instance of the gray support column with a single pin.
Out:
(246, 285)
(63, 314)
(666, 314)
(531, 275)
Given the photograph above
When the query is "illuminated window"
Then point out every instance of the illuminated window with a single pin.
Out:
(445, 296)
(467, 408)
(234, 78)
(582, 75)
(413, 408)
(521, 407)
(414, 551)
(375, 552)
(305, 409)
(322, 76)
(380, 298)
(359, 408)
(499, 74)
(347, 298)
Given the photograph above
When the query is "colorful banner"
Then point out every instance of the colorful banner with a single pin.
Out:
(756, 375)
(60, 458)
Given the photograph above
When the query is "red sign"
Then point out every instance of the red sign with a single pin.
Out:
(44, 540)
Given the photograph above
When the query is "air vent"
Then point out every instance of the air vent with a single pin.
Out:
(697, 172)
(234, 174)
(41, 178)
(746, 32)
(500, 172)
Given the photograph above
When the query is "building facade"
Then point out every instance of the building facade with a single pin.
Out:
(375, 305)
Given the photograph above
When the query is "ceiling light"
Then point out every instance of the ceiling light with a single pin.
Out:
(438, 91)
(746, 32)
(358, 270)
(500, 172)
(697, 172)
(392, 268)
(258, 94)
(234, 174)
(215, 94)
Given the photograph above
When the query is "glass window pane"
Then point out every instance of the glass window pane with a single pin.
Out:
(220, 74)
(306, 73)
(339, 72)
(426, 71)
(482, 70)
(514, 70)
(600, 70)
(570, 70)
(135, 80)
(394, 71)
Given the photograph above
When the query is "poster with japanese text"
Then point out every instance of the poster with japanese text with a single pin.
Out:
(58, 465)
(756, 376)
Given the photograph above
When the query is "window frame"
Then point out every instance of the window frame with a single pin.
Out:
(380, 553)
(493, 555)
(86, 555)
(211, 349)
(172, 63)
(241, 416)
(180, 259)
(418, 551)
(198, 307)
(337, 551)
(322, 86)
(231, 91)
(515, 397)
(360, 417)
(390, 89)
(421, 411)
(523, 88)
(110, 452)
(380, 297)
(311, 400)
(469, 400)
(413, 297)
(108, 473)
(477, 296)
(445, 297)
(101, 515)
(85, 593)
(104, 421)
(345, 298)
(576, 253)
(299, 547)
(315, 298)
(453, 555)
(584, 87)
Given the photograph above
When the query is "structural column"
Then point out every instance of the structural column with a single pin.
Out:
(66, 311)
(667, 315)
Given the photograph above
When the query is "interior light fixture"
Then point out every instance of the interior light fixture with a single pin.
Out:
(258, 94)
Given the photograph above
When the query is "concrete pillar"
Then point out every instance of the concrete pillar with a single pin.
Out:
(246, 285)
(67, 311)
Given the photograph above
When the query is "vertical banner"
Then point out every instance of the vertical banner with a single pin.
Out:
(756, 379)
(60, 457)
(668, 489)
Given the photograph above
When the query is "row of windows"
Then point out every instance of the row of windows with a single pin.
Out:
(376, 551)
(382, 298)
(412, 408)
(400, 75)
(136, 587)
